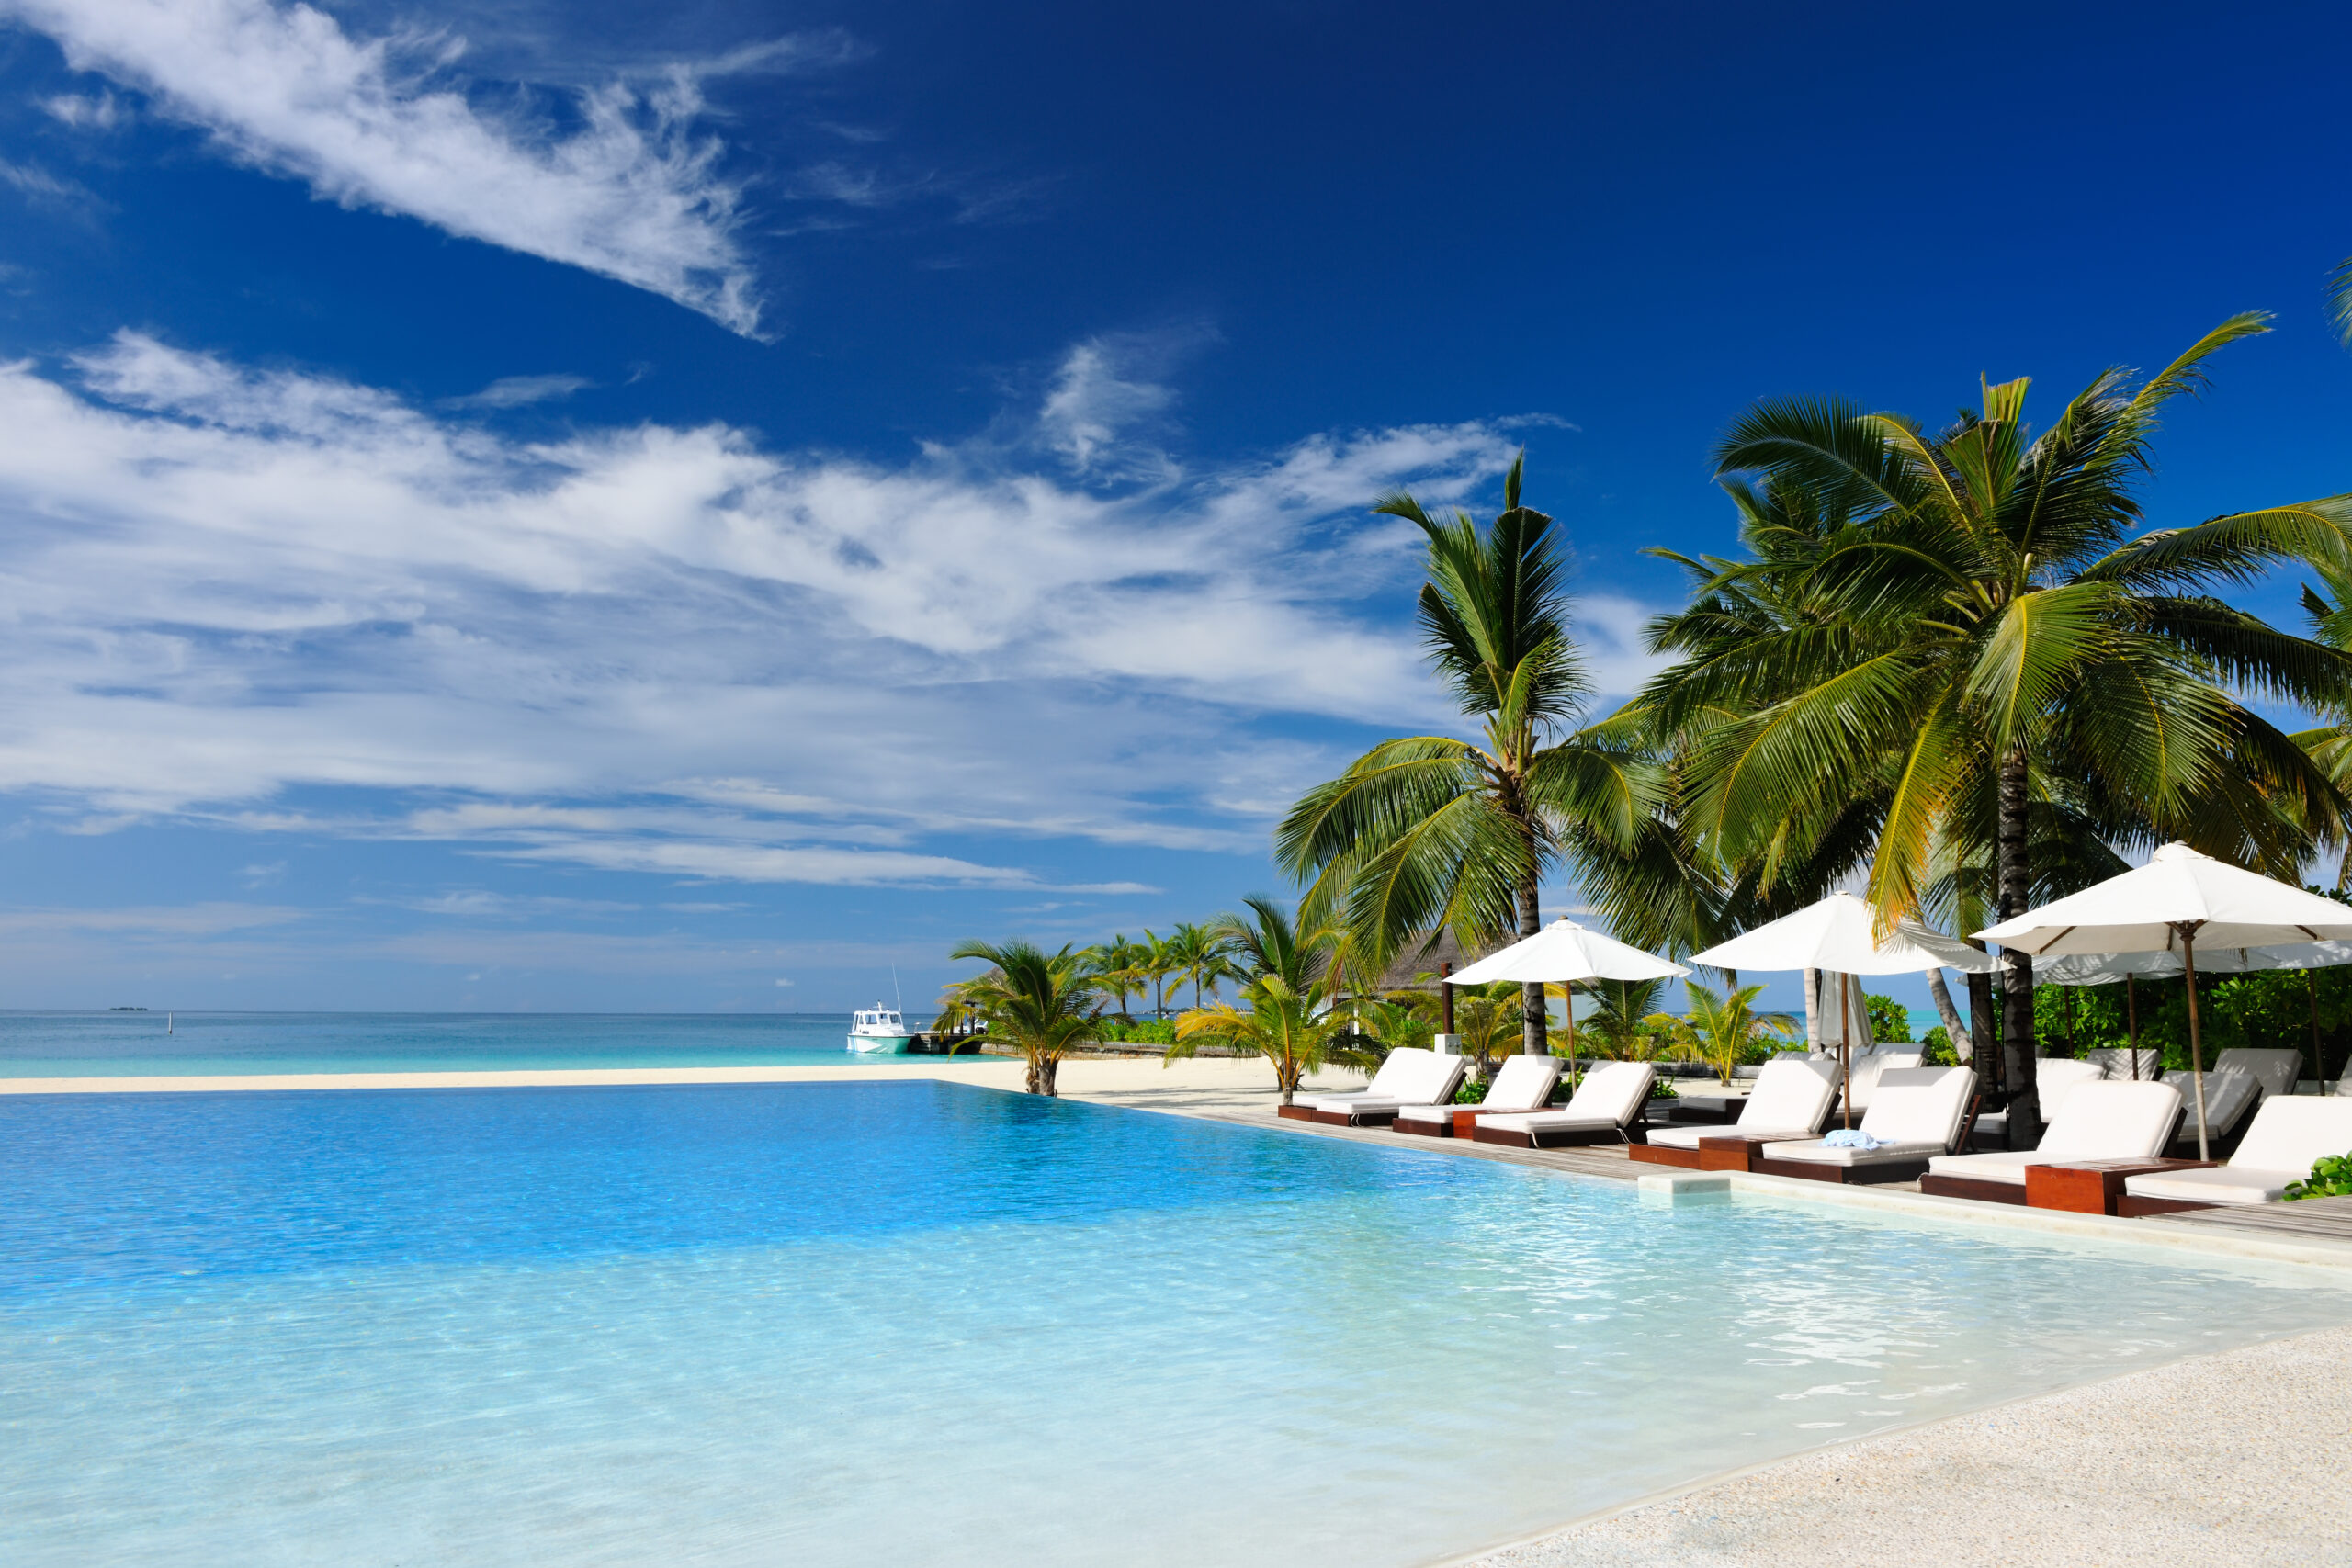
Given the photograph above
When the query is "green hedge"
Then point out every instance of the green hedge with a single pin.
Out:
(1142, 1031)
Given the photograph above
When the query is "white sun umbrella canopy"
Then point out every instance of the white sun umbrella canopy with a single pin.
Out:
(1840, 934)
(2179, 902)
(1562, 953)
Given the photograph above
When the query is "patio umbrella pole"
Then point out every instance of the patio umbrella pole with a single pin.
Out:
(1846, 1046)
(2311, 988)
(2188, 930)
(2131, 1013)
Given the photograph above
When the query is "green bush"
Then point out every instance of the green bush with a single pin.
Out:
(1890, 1020)
(1934, 1049)
(1143, 1032)
(1472, 1092)
(2331, 1178)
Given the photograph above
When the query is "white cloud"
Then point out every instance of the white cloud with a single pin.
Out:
(672, 650)
(180, 920)
(617, 182)
(517, 391)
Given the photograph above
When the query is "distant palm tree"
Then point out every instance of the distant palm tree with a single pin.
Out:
(1430, 832)
(1199, 956)
(1985, 633)
(1116, 965)
(1619, 1029)
(1724, 1029)
(1289, 1028)
(1158, 962)
(1040, 1003)
(1268, 942)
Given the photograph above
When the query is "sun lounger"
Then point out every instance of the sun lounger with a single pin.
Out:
(1871, 1065)
(2098, 1121)
(1523, 1084)
(2054, 1078)
(2275, 1070)
(2289, 1132)
(1602, 1110)
(2116, 1061)
(1917, 1112)
(2230, 1097)
(1792, 1097)
(1408, 1076)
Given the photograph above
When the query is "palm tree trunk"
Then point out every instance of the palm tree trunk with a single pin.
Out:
(1981, 1013)
(1033, 1080)
(1950, 1014)
(1534, 1038)
(1046, 1068)
(2016, 885)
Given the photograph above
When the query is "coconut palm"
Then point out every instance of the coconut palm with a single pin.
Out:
(1431, 831)
(1972, 630)
(1722, 1029)
(1040, 1003)
(1290, 1028)
(1200, 957)
(1268, 942)
(1116, 964)
(1154, 964)
(1619, 1029)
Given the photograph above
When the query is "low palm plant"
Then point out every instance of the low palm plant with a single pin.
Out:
(1488, 1022)
(1620, 1027)
(1721, 1029)
(1289, 1027)
(1040, 1003)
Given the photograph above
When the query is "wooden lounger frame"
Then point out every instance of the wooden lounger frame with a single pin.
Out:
(1337, 1118)
(1974, 1187)
(1560, 1137)
(2132, 1207)
(1844, 1175)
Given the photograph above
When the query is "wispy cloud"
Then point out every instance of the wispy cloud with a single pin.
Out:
(181, 920)
(519, 391)
(676, 651)
(615, 179)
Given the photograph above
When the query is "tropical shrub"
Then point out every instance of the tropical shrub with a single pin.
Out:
(2331, 1178)
(1934, 1049)
(1890, 1020)
(1142, 1031)
(1472, 1092)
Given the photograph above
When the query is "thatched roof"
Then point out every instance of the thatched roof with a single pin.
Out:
(1422, 956)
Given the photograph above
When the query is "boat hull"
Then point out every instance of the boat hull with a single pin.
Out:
(881, 1045)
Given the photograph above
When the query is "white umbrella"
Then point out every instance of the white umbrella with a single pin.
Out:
(1562, 953)
(1839, 933)
(2170, 905)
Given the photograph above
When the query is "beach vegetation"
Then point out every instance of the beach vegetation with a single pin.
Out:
(1985, 639)
(1726, 1030)
(2331, 1176)
(1042, 1004)
(1431, 831)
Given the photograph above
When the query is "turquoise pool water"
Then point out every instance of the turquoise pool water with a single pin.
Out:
(133, 1044)
(913, 1323)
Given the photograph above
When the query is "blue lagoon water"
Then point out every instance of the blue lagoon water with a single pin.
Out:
(913, 1323)
(133, 1044)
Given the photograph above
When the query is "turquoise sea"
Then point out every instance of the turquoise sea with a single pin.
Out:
(134, 1044)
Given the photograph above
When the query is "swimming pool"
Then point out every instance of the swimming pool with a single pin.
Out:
(907, 1322)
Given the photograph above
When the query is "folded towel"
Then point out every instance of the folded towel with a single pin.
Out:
(1852, 1138)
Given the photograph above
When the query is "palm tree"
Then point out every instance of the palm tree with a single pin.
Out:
(1428, 832)
(1199, 956)
(1157, 962)
(1620, 1027)
(1289, 1028)
(1487, 1021)
(2330, 743)
(1115, 964)
(1974, 633)
(1040, 1003)
(1722, 1029)
(1268, 942)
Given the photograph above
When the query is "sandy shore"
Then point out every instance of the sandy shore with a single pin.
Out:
(2229, 1460)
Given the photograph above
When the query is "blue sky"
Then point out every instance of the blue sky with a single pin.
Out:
(575, 506)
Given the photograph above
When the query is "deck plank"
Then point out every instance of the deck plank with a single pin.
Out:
(2311, 1216)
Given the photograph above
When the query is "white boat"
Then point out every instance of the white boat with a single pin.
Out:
(877, 1029)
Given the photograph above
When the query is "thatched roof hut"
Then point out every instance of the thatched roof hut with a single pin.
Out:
(1422, 956)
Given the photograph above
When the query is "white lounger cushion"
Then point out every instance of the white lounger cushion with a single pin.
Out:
(1792, 1099)
(2117, 1060)
(1421, 1077)
(2273, 1070)
(1522, 1083)
(1916, 1112)
(2227, 1094)
(2289, 1134)
(2099, 1120)
(2055, 1077)
(1611, 1095)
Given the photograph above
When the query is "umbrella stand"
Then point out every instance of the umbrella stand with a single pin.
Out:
(2311, 988)
(2131, 1013)
(2188, 930)
(1846, 1047)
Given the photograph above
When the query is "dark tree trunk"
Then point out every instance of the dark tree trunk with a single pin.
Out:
(2015, 886)
(1533, 1038)
(1043, 1070)
(1982, 1037)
